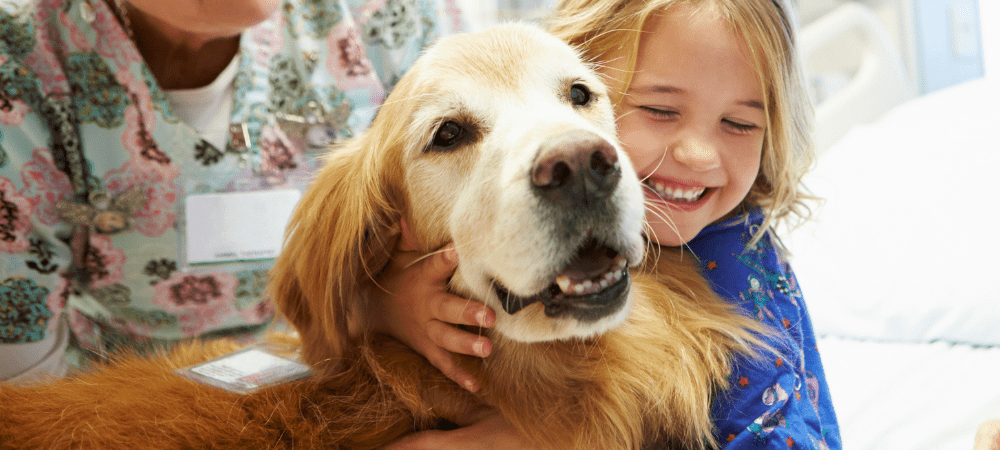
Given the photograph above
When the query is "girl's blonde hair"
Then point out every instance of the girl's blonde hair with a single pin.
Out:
(602, 29)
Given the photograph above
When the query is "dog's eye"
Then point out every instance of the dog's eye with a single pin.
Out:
(447, 135)
(579, 94)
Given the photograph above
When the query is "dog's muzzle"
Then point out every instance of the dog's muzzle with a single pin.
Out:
(594, 285)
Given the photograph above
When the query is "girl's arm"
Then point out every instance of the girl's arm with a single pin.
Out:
(988, 435)
(414, 306)
(493, 432)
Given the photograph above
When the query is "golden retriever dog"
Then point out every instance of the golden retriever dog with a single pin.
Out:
(502, 142)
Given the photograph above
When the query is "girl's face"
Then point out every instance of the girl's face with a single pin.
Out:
(692, 121)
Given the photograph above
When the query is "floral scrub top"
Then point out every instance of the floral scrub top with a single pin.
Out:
(779, 402)
(85, 127)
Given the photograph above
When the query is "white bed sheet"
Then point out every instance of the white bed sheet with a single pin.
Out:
(905, 396)
(901, 271)
(907, 246)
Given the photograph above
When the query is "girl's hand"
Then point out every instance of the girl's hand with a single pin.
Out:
(412, 304)
(493, 432)
(988, 435)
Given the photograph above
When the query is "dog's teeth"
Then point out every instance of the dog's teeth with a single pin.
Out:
(563, 282)
(598, 283)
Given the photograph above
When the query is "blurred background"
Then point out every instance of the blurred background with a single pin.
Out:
(937, 43)
(942, 42)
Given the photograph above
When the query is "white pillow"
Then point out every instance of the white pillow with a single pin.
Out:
(907, 245)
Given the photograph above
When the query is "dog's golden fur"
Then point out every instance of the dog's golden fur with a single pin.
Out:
(646, 381)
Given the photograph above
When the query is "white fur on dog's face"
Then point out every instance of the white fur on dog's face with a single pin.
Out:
(513, 103)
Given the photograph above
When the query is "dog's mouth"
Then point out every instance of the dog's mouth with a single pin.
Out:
(593, 285)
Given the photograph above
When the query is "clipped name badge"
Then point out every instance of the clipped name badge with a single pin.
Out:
(237, 226)
(246, 371)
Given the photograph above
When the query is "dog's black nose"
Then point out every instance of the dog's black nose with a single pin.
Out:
(576, 168)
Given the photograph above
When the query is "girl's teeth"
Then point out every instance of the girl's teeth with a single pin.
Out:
(677, 195)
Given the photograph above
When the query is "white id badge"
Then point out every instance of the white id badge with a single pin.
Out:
(246, 371)
(237, 226)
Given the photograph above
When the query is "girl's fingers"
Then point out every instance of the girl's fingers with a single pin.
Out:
(449, 308)
(429, 312)
(455, 340)
(457, 310)
(443, 361)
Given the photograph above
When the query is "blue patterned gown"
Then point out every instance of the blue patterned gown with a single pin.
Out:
(782, 401)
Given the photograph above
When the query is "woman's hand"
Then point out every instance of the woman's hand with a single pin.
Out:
(493, 432)
(412, 304)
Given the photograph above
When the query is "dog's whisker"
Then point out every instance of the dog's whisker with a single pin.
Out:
(626, 114)
(663, 157)
(424, 256)
(651, 247)
(458, 247)
(665, 219)
(407, 99)
(662, 216)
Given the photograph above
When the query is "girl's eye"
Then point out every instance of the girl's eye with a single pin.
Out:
(579, 94)
(739, 127)
(660, 114)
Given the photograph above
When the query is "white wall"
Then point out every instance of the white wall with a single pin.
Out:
(893, 13)
(920, 30)
(989, 16)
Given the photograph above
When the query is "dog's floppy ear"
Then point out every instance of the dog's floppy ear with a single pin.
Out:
(342, 233)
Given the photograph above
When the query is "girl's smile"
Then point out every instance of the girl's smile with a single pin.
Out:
(685, 196)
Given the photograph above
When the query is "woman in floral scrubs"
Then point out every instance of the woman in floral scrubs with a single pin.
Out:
(115, 114)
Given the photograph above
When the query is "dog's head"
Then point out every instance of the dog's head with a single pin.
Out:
(502, 142)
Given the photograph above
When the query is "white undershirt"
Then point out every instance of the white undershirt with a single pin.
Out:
(207, 109)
